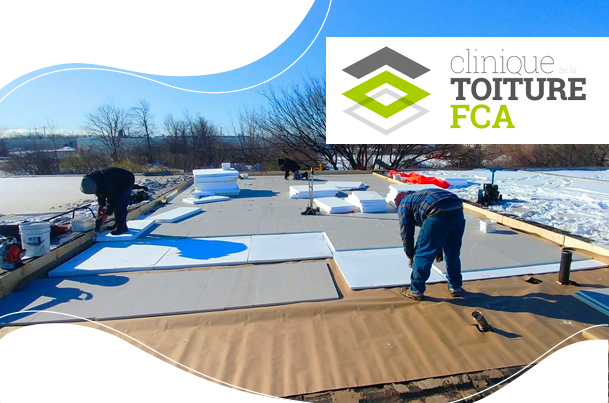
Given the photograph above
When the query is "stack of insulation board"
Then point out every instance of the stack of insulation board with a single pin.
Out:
(334, 205)
(319, 191)
(368, 202)
(394, 190)
(210, 182)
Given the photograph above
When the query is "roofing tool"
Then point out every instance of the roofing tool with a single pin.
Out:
(310, 210)
(298, 175)
(481, 322)
(11, 253)
(101, 219)
(489, 193)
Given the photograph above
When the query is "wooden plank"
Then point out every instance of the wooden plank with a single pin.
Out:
(596, 251)
(533, 229)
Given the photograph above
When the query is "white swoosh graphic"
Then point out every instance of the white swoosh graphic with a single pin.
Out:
(180, 88)
(275, 397)
(144, 345)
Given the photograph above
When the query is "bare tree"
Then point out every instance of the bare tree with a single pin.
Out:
(206, 142)
(3, 146)
(143, 122)
(253, 145)
(601, 155)
(397, 156)
(554, 155)
(109, 123)
(177, 141)
(50, 131)
(192, 142)
(83, 161)
(30, 162)
(295, 122)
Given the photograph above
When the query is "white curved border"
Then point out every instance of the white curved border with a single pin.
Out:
(527, 367)
(179, 88)
(275, 397)
(149, 348)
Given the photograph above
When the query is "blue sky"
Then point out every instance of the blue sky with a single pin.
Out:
(65, 98)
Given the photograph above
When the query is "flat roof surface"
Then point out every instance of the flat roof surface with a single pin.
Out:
(264, 207)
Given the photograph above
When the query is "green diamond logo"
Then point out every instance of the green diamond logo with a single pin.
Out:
(413, 94)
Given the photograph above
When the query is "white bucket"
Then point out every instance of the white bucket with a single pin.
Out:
(244, 175)
(36, 238)
(226, 165)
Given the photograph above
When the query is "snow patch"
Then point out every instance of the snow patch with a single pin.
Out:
(576, 206)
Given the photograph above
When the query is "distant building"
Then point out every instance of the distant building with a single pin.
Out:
(76, 143)
(39, 144)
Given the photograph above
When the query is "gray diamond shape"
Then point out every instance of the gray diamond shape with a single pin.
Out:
(351, 112)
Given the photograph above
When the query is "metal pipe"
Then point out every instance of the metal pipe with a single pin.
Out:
(565, 266)
(481, 322)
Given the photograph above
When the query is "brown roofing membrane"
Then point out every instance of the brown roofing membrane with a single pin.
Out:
(371, 337)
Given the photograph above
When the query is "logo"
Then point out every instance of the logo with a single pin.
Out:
(409, 94)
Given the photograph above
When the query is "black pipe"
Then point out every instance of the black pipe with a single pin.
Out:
(565, 266)
(481, 322)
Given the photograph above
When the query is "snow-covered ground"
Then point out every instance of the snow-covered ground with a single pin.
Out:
(580, 207)
(582, 173)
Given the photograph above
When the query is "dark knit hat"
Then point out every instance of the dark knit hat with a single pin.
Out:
(88, 186)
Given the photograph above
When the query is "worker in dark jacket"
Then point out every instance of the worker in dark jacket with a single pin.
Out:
(439, 213)
(290, 165)
(112, 186)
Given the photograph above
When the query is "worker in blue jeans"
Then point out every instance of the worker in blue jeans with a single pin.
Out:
(439, 214)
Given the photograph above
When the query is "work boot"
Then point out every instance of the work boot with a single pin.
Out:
(119, 231)
(409, 294)
(456, 293)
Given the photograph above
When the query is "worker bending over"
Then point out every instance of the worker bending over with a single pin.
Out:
(439, 213)
(112, 186)
(290, 165)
